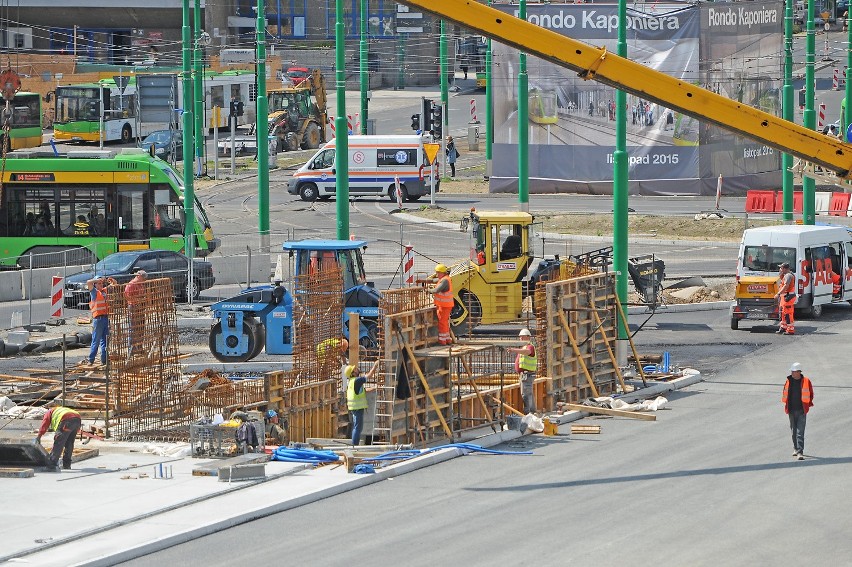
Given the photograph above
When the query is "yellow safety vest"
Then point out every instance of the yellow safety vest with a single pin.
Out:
(356, 401)
(58, 414)
(528, 363)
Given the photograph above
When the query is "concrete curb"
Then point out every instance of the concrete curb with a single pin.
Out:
(81, 552)
(681, 308)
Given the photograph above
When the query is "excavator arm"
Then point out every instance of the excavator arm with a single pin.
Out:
(318, 90)
(595, 63)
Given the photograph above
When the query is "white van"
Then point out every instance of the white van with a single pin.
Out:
(819, 256)
(374, 163)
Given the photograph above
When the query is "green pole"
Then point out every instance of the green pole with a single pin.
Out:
(787, 187)
(489, 119)
(400, 59)
(846, 119)
(808, 183)
(445, 98)
(340, 127)
(262, 132)
(364, 68)
(187, 124)
(620, 179)
(523, 124)
(198, 91)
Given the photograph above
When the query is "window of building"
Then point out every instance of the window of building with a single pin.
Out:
(381, 18)
(286, 18)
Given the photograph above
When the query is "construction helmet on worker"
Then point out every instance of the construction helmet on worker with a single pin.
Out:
(525, 333)
(440, 269)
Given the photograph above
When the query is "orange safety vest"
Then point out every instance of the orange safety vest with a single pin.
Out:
(445, 298)
(99, 306)
(807, 394)
(789, 285)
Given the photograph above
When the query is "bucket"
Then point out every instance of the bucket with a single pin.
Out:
(513, 422)
(550, 428)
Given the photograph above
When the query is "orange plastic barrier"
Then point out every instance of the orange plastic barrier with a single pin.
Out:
(839, 204)
(760, 202)
(797, 202)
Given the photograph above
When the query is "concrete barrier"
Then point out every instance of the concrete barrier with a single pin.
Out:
(42, 280)
(10, 286)
(232, 269)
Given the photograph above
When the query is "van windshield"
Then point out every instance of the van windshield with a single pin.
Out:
(768, 258)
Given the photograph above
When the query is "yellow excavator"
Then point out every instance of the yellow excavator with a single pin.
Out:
(298, 115)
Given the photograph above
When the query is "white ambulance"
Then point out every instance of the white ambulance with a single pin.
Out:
(819, 256)
(374, 164)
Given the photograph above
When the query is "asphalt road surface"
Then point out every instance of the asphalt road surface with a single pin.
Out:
(711, 482)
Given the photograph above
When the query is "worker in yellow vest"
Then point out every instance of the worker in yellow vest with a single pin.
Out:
(66, 423)
(356, 397)
(526, 364)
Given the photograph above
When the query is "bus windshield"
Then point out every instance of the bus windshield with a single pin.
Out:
(77, 103)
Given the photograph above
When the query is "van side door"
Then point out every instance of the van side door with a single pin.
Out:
(323, 167)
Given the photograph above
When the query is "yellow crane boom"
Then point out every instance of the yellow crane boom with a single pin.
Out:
(596, 63)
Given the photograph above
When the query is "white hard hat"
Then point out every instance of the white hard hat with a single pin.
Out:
(524, 333)
(795, 367)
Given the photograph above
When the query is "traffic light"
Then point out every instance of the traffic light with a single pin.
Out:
(427, 114)
(802, 98)
(437, 119)
(415, 122)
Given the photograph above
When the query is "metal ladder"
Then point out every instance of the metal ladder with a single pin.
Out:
(383, 414)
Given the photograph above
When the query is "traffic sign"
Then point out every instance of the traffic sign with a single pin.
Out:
(431, 151)
(121, 82)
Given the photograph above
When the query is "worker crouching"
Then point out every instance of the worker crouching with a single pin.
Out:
(442, 294)
(66, 423)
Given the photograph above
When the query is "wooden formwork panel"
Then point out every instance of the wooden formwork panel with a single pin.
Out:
(277, 382)
(310, 410)
(576, 301)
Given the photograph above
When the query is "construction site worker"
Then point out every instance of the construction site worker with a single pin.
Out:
(274, 431)
(356, 398)
(443, 299)
(66, 423)
(798, 398)
(786, 297)
(134, 294)
(331, 355)
(100, 320)
(526, 364)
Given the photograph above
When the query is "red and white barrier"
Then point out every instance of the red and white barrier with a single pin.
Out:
(350, 124)
(835, 84)
(57, 297)
(408, 265)
(473, 111)
(821, 117)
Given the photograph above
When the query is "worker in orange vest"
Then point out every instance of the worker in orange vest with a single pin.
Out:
(443, 298)
(798, 398)
(135, 292)
(786, 297)
(100, 320)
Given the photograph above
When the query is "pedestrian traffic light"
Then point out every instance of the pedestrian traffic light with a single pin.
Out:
(802, 98)
(427, 114)
(415, 122)
(437, 120)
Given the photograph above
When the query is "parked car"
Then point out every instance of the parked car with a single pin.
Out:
(157, 263)
(167, 143)
(297, 74)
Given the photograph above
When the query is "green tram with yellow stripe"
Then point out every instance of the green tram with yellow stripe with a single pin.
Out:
(79, 207)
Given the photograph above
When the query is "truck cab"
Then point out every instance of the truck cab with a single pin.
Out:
(489, 288)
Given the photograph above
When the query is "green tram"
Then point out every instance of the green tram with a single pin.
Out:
(25, 125)
(79, 207)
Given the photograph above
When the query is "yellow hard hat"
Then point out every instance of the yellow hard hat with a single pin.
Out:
(349, 370)
(441, 269)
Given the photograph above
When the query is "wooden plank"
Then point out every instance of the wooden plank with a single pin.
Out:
(585, 429)
(607, 411)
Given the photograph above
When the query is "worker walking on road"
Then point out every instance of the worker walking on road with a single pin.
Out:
(443, 298)
(66, 423)
(356, 398)
(798, 398)
(134, 293)
(100, 320)
(786, 297)
(526, 364)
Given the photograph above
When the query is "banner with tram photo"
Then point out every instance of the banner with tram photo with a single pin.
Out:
(572, 121)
